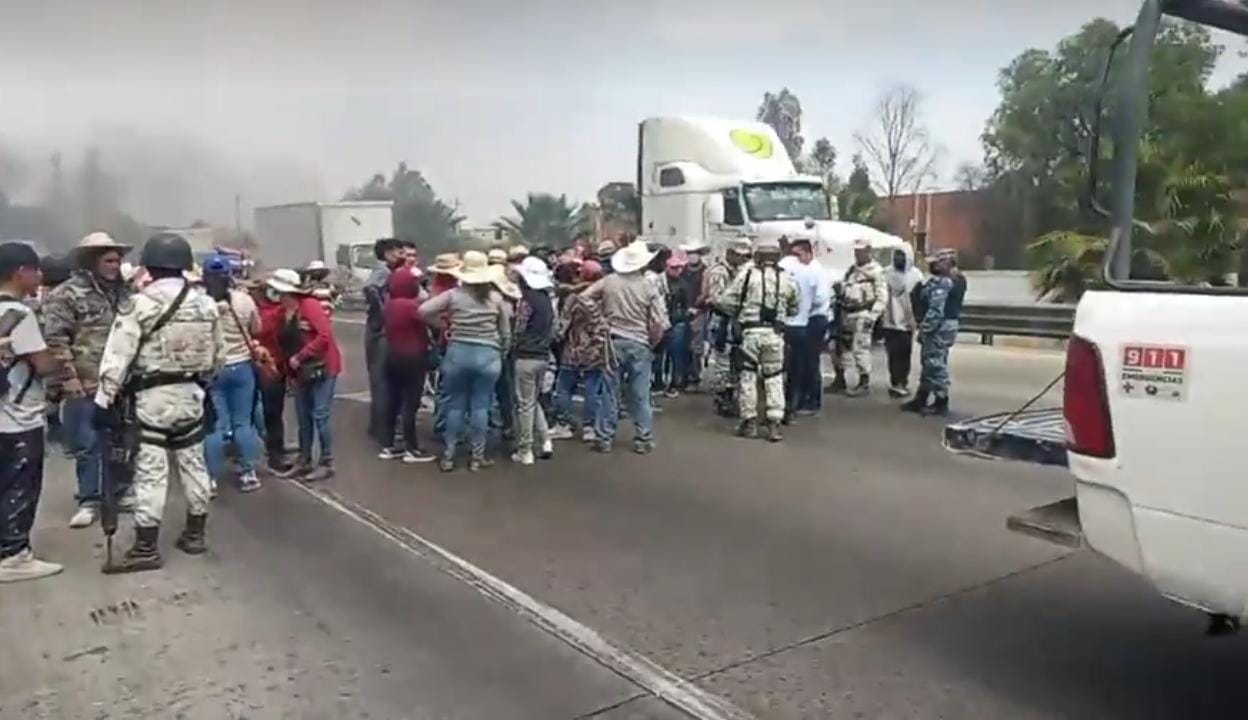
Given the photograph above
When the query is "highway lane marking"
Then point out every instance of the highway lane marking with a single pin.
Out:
(349, 321)
(640, 670)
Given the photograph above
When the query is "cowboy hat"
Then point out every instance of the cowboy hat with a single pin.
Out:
(497, 256)
(516, 253)
(535, 273)
(316, 266)
(445, 263)
(606, 247)
(695, 246)
(474, 269)
(286, 281)
(632, 257)
(101, 241)
(862, 244)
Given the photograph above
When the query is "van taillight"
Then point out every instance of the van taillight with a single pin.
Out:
(1086, 402)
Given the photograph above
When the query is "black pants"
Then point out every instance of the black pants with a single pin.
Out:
(273, 398)
(405, 385)
(812, 383)
(21, 482)
(899, 344)
(796, 358)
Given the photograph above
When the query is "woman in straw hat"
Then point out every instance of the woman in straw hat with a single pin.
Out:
(479, 322)
(313, 362)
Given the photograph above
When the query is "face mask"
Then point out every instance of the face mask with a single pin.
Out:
(900, 262)
(271, 295)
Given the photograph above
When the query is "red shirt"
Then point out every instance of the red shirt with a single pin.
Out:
(318, 336)
(407, 336)
(271, 317)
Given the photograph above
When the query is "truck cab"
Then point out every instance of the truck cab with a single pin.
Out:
(714, 180)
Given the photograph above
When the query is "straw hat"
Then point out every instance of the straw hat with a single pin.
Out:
(101, 241)
(286, 281)
(445, 263)
(516, 253)
(632, 257)
(497, 256)
(695, 246)
(316, 266)
(535, 273)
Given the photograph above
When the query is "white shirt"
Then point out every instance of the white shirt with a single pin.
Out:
(26, 339)
(807, 283)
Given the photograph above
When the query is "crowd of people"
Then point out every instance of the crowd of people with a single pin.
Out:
(195, 365)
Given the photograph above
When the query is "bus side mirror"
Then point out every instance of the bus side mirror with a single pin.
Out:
(713, 210)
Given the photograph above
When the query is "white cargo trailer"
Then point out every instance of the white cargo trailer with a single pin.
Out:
(338, 233)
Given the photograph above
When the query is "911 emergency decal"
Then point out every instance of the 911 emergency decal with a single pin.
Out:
(1154, 372)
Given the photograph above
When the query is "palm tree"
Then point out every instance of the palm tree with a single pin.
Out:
(1195, 228)
(543, 219)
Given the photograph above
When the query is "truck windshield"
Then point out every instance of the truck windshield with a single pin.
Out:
(362, 257)
(786, 201)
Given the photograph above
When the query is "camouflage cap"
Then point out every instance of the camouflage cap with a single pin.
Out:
(740, 245)
(767, 245)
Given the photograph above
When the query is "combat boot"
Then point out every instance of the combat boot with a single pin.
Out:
(862, 388)
(191, 541)
(838, 385)
(938, 408)
(143, 555)
(773, 432)
(918, 403)
(747, 428)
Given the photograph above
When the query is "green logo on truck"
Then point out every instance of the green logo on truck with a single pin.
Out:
(752, 142)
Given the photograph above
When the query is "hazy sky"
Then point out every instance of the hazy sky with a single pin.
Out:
(284, 101)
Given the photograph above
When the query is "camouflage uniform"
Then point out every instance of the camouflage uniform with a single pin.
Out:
(77, 317)
(862, 299)
(937, 334)
(762, 344)
(170, 414)
(719, 370)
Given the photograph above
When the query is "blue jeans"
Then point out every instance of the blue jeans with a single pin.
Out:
(82, 443)
(234, 397)
(470, 373)
(566, 384)
(680, 354)
(312, 404)
(631, 376)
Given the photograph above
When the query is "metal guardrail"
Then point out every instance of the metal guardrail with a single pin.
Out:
(1042, 321)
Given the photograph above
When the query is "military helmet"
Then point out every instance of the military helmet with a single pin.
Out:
(168, 251)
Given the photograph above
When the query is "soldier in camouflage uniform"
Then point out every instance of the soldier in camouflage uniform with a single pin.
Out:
(861, 300)
(165, 369)
(760, 298)
(940, 301)
(77, 317)
(719, 378)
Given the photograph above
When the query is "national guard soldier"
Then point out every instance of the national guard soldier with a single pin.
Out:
(720, 379)
(164, 346)
(940, 304)
(862, 297)
(760, 298)
(77, 317)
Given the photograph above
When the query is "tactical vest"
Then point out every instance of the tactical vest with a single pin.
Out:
(184, 344)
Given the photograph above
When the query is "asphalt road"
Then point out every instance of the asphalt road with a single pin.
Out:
(857, 570)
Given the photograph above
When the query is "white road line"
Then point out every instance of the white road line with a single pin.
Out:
(647, 674)
(349, 321)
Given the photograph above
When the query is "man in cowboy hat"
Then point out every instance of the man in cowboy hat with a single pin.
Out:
(720, 378)
(695, 273)
(862, 297)
(77, 318)
(389, 252)
(637, 317)
(164, 346)
(761, 298)
(316, 280)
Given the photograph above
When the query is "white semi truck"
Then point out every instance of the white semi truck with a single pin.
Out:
(713, 179)
(339, 234)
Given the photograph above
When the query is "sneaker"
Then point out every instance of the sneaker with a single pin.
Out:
(547, 451)
(671, 393)
(478, 463)
(84, 518)
(601, 447)
(898, 391)
(522, 457)
(411, 457)
(643, 447)
(24, 566)
(446, 464)
(248, 482)
(806, 412)
(389, 453)
(561, 432)
(588, 434)
(319, 474)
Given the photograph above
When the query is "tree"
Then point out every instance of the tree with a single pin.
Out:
(620, 207)
(822, 162)
(419, 215)
(898, 145)
(970, 176)
(543, 219)
(857, 199)
(783, 112)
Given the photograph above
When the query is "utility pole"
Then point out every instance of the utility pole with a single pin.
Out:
(238, 217)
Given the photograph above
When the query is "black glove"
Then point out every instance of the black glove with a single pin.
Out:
(104, 418)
